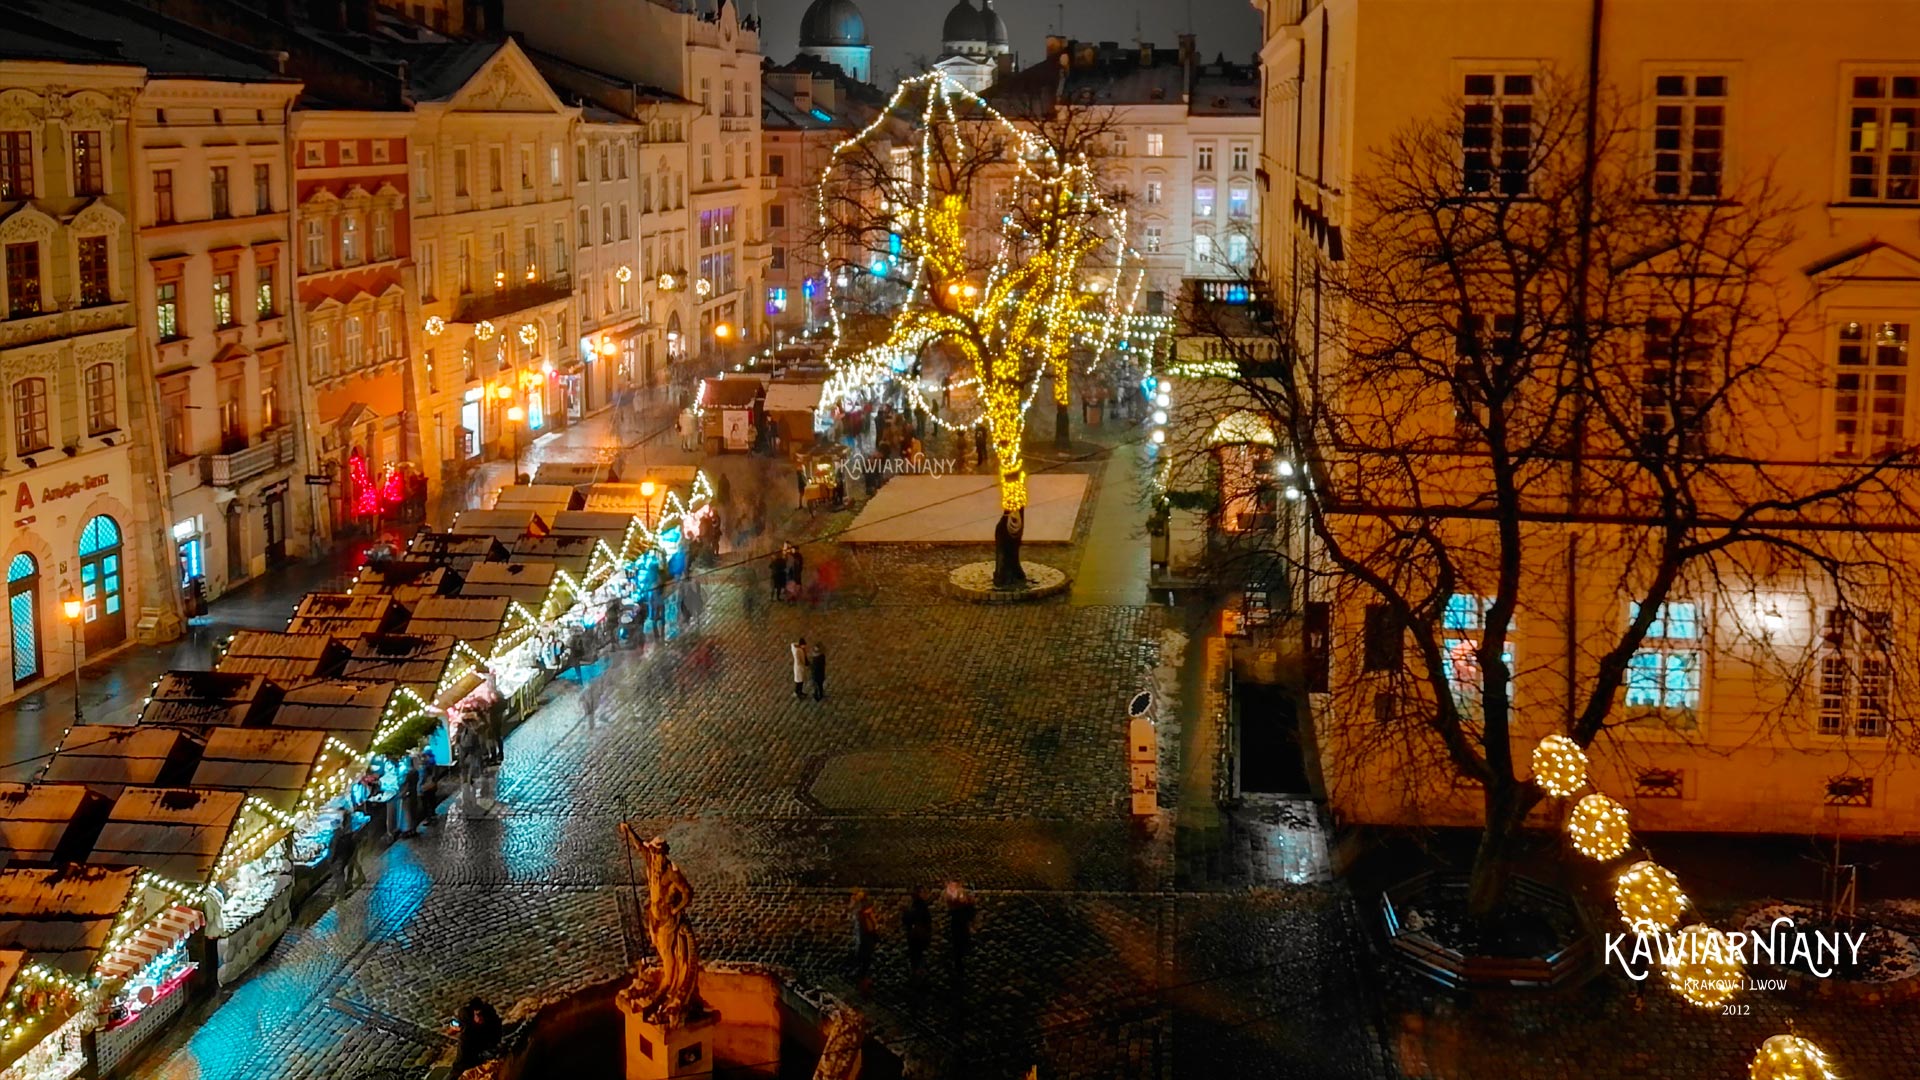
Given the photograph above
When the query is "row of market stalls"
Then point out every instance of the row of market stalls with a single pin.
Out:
(151, 862)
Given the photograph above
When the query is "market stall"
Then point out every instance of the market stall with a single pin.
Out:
(583, 558)
(223, 850)
(455, 551)
(574, 474)
(112, 757)
(345, 616)
(545, 500)
(479, 621)
(58, 925)
(296, 775)
(47, 823)
(793, 409)
(419, 662)
(408, 581)
(622, 532)
(286, 659)
(197, 699)
(730, 413)
(826, 479)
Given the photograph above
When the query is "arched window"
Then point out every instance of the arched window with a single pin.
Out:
(23, 613)
(101, 584)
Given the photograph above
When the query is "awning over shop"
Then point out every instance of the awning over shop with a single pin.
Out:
(160, 933)
(210, 699)
(109, 758)
(287, 659)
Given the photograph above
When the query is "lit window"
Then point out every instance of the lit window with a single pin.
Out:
(223, 299)
(30, 431)
(1870, 389)
(1150, 239)
(1203, 201)
(1237, 249)
(23, 279)
(103, 399)
(1855, 671)
(1464, 626)
(1883, 153)
(1156, 144)
(166, 309)
(1240, 202)
(776, 300)
(1664, 674)
(1154, 190)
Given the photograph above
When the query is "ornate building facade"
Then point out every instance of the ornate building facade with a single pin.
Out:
(835, 32)
(974, 47)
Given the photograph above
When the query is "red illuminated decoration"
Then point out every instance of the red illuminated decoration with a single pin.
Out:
(361, 485)
(392, 486)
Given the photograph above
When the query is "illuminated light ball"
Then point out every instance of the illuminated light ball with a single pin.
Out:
(1159, 436)
(1790, 1057)
(435, 324)
(1649, 897)
(703, 286)
(483, 330)
(1706, 972)
(1599, 828)
(624, 274)
(1162, 399)
(1559, 765)
(528, 333)
(1160, 416)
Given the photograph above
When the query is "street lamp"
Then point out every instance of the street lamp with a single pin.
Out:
(515, 414)
(72, 608)
(646, 502)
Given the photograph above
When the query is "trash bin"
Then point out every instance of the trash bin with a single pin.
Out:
(1092, 410)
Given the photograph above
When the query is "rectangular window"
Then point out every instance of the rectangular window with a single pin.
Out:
(1203, 157)
(460, 177)
(270, 416)
(1463, 625)
(526, 168)
(1239, 202)
(263, 297)
(626, 232)
(778, 260)
(222, 193)
(1689, 135)
(606, 224)
(1202, 247)
(23, 279)
(89, 167)
(103, 399)
(530, 250)
(423, 175)
(1855, 671)
(706, 96)
(776, 300)
(1119, 144)
(560, 248)
(349, 239)
(30, 431)
(1870, 389)
(163, 196)
(1156, 144)
(1383, 639)
(466, 265)
(1665, 673)
(776, 165)
(1673, 388)
(586, 227)
(94, 282)
(383, 234)
(606, 162)
(580, 163)
(553, 165)
(314, 233)
(320, 350)
(429, 279)
(496, 169)
(166, 309)
(353, 342)
(263, 189)
(1496, 134)
(223, 299)
(499, 260)
(1154, 191)
(1237, 249)
(1241, 153)
(706, 163)
(1883, 156)
(16, 165)
(1203, 201)
(386, 334)
(1150, 239)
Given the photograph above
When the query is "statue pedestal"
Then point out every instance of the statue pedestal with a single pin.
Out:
(653, 1052)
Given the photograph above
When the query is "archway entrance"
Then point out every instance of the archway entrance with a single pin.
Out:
(100, 585)
(23, 613)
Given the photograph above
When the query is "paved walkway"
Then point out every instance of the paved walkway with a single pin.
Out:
(1113, 565)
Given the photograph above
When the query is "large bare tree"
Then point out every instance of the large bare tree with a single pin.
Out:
(1555, 382)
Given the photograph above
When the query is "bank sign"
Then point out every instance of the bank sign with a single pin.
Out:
(23, 495)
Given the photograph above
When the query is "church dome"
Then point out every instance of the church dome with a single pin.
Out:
(833, 23)
(993, 29)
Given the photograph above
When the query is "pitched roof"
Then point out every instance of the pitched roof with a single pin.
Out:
(176, 832)
(63, 915)
(468, 618)
(45, 822)
(275, 764)
(167, 48)
(109, 757)
(210, 698)
(287, 659)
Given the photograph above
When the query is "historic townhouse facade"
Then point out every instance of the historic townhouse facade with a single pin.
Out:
(84, 518)
(1758, 705)
(493, 219)
(358, 315)
(1181, 142)
(210, 176)
(712, 60)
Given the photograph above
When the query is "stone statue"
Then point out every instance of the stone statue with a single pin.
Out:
(669, 994)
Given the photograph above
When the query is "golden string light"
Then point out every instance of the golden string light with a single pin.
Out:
(1649, 897)
(1705, 968)
(1790, 1057)
(1559, 766)
(1598, 827)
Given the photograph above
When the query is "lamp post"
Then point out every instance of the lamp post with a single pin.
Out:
(646, 502)
(72, 608)
(515, 414)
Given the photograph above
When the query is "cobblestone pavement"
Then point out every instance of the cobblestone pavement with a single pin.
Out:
(956, 741)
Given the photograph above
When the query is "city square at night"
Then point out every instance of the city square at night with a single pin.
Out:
(825, 539)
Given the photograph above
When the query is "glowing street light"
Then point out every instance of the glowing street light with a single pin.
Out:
(73, 607)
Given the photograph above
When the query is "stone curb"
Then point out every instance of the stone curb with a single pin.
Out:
(1044, 581)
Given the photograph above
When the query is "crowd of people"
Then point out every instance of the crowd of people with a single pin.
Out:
(916, 932)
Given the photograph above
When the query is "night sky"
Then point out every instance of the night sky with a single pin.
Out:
(902, 30)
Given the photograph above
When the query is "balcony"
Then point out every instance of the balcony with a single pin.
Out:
(231, 470)
(489, 304)
(766, 183)
(736, 123)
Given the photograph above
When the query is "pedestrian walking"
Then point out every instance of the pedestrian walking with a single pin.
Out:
(916, 925)
(866, 937)
(479, 1033)
(961, 912)
(346, 855)
(817, 667)
(800, 482)
(980, 447)
(796, 568)
(471, 761)
(800, 658)
(779, 569)
(410, 795)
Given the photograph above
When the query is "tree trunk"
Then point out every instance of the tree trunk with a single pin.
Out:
(1060, 440)
(1006, 550)
(1493, 861)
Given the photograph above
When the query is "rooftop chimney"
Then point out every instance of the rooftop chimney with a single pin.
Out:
(1187, 50)
(1056, 44)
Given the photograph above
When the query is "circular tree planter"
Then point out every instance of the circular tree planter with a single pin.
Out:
(1540, 943)
(974, 582)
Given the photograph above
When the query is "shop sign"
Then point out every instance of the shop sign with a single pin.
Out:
(23, 495)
